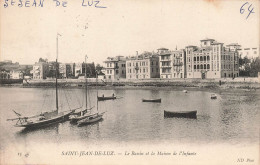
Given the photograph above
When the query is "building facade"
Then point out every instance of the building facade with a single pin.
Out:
(172, 63)
(16, 75)
(67, 70)
(40, 70)
(211, 60)
(250, 53)
(115, 68)
(143, 66)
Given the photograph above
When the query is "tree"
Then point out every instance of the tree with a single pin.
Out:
(99, 68)
(43, 60)
(255, 67)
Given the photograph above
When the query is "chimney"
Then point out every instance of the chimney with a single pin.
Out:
(137, 53)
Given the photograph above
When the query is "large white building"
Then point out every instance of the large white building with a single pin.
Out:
(143, 66)
(40, 70)
(115, 68)
(211, 60)
(172, 63)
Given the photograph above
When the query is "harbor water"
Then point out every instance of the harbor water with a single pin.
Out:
(232, 118)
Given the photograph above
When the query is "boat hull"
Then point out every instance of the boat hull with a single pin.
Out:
(90, 120)
(153, 101)
(106, 98)
(181, 114)
(43, 123)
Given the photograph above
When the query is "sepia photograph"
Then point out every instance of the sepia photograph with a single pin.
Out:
(104, 82)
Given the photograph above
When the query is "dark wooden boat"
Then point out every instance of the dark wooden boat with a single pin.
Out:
(106, 98)
(213, 96)
(152, 100)
(181, 114)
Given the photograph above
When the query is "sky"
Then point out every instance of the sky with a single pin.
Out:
(121, 28)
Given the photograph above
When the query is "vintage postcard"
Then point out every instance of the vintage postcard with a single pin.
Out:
(129, 82)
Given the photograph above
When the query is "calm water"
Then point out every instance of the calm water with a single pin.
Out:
(232, 118)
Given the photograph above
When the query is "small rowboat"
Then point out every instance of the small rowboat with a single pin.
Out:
(213, 96)
(106, 98)
(184, 91)
(152, 100)
(181, 114)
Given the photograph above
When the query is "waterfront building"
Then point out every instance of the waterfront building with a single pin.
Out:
(4, 75)
(67, 70)
(40, 70)
(172, 63)
(234, 46)
(143, 66)
(211, 60)
(250, 53)
(81, 68)
(115, 67)
(16, 74)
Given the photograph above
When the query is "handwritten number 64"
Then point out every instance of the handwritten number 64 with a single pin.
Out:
(242, 10)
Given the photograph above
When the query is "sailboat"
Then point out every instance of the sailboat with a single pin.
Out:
(46, 118)
(76, 116)
(92, 117)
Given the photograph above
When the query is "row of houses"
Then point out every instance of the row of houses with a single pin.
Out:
(211, 60)
(43, 70)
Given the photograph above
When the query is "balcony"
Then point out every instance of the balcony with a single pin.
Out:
(166, 66)
(178, 64)
(166, 59)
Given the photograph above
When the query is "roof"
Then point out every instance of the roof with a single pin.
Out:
(162, 49)
(233, 44)
(190, 46)
(207, 39)
(217, 43)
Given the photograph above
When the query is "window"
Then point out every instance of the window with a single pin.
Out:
(130, 70)
(107, 64)
(152, 62)
(157, 70)
(204, 66)
(201, 58)
(122, 71)
(208, 58)
(152, 69)
(201, 66)
(194, 66)
(208, 66)
(144, 70)
(198, 58)
(204, 57)
(110, 71)
(194, 58)
(107, 71)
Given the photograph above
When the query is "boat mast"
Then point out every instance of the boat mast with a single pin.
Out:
(97, 90)
(56, 75)
(86, 81)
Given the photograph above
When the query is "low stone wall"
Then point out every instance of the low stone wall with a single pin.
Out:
(206, 83)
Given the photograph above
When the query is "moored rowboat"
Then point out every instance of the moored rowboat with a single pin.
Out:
(183, 114)
(106, 98)
(152, 100)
